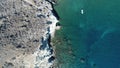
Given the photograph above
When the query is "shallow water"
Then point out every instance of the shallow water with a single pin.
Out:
(94, 35)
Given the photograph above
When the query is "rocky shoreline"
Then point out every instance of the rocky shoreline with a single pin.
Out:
(26, 29)
(45, 54)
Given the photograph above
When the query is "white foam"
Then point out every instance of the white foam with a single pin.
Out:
(54, 20)
(42, 56)
(42, 61)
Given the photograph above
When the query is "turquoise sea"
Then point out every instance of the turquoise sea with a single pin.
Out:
(91, 39)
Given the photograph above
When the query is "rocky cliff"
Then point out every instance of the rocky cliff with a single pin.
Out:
(26, 27)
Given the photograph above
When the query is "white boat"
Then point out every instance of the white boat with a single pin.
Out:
(82, 12)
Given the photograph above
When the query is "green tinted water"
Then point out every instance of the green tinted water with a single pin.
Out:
(88, 35)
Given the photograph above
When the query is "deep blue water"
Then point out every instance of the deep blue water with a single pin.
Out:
(94, 35)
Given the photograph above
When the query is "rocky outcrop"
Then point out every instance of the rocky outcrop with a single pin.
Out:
(26, 27)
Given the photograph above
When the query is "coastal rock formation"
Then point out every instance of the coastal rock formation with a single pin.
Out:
(26, 26)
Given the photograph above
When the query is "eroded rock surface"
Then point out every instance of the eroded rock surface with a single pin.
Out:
(22, 25)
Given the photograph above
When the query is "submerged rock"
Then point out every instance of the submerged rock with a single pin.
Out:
(82, 60)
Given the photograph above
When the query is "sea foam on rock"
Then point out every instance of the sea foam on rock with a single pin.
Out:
(45, 54)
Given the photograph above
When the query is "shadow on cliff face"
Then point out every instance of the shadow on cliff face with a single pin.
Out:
(53, 11)
(55, 14)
